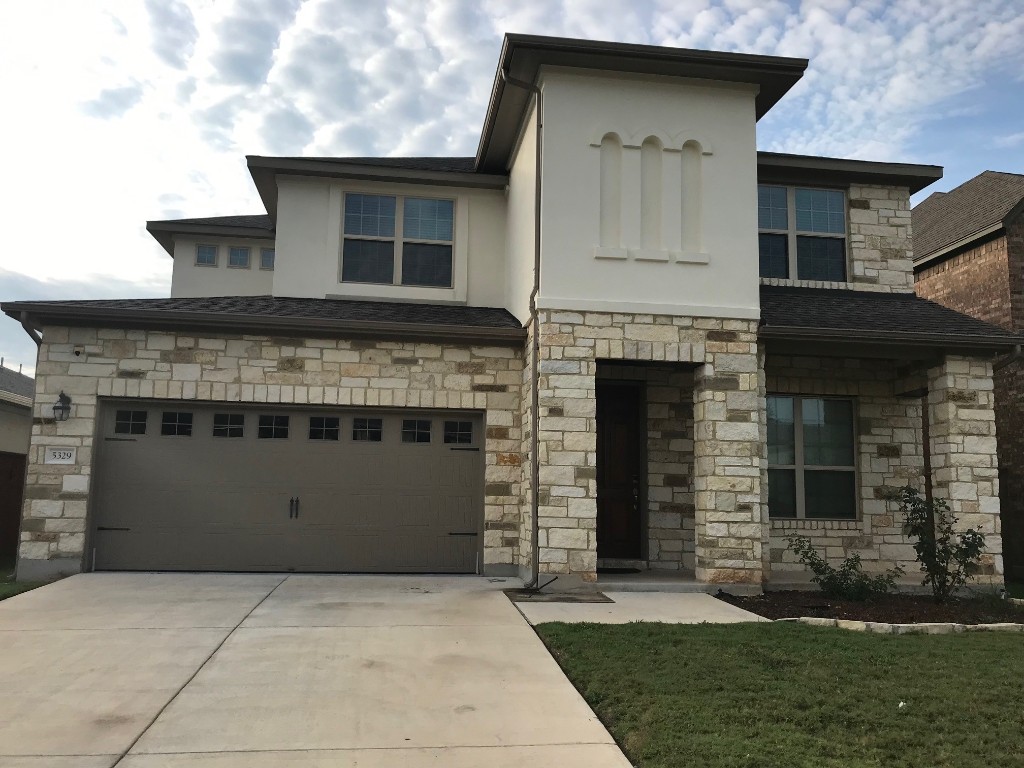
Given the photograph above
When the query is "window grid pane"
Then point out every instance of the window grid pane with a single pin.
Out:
(820, 210)
(272, 427)
(772, 209)
(828, 432)
(830, 494)
(367, 430)
(130, 422)
(206, 255)
(459, 432)
(368, 261)
(267, 256)
(427, 265)
(228, 425)
(324, 427)
(176, 424)
(781, 431)
(428, 219)
(773, 253)
(238, 257)
(415, 430)
(370, 215)
(821, 258)
(782, 493)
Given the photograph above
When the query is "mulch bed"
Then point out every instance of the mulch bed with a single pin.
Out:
(894, 609)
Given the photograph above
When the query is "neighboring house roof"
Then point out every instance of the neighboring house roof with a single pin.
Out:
(255, 314)
(16, 387)
(949, 220)
(259, 226)
(873, 317)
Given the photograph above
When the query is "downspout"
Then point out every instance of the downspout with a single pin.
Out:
(535, 345)
(31, 330)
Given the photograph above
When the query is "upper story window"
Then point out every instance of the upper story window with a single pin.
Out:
(267, 258)
(801, 233)
(238, 256)
(206, 255)
(395, 240)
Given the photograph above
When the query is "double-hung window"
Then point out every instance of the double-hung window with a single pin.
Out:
(238, 257)
(394, 240)
(802, 233)
(811, 449)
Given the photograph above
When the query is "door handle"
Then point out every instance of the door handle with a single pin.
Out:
(296, 507)
(291, 507)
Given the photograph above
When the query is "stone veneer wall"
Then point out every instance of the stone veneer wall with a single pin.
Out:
(889, 454)
(670, 509)
(727, 442)
(880, 252)
(260, 369)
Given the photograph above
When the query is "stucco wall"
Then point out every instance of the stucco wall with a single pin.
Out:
(636, 274)
(260, 369)
(520, 223)
(188, 279)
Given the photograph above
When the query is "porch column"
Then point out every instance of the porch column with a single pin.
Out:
(962, 443)
(729, 408)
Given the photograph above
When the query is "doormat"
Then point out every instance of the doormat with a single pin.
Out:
(529, 596)
(618, 570)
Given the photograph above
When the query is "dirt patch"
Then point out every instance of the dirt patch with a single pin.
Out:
(894, 609)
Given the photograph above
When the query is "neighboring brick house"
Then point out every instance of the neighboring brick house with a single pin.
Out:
(618, 337)
(969, 256)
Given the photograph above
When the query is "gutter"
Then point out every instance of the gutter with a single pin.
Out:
(30, 329)
(535, 346)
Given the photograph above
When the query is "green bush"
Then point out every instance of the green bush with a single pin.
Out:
(948, 557)
(848, 581)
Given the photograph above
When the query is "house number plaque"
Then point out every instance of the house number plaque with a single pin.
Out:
(60, 456)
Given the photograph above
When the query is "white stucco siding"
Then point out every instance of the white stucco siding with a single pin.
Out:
(675, 270)
(310, 233)
(189, 279)
(522, 193)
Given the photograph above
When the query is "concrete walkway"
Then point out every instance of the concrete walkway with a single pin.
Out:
(667, 607)
(223, 671)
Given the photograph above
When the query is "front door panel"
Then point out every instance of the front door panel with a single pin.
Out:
(620, 463)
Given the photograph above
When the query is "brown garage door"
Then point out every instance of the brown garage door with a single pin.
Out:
(181, 486)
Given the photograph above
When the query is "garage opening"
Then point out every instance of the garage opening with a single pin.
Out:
(230, 487)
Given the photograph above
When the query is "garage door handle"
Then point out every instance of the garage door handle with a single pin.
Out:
(107, 528)
(463, 533)
(296, 507)
(291, 507)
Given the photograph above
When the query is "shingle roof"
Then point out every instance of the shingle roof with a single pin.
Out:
(871, 316)
(17, 383)
(283, 315)
(258, 221)
(943, 219)
(435, 164)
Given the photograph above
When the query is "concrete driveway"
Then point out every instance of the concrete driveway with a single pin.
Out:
(265, 671)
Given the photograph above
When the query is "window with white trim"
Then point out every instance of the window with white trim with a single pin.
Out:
(397, 240)
(267, 256)
(206, 255)
(238, 257)
(811, 458)
(802, 233)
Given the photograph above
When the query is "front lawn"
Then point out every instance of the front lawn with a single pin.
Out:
(765, 695)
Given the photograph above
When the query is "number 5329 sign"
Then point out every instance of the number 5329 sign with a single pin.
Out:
(60, 456)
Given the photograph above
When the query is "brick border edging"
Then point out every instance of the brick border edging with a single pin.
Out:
(884, 628)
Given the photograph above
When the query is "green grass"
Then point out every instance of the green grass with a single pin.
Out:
(765, 695)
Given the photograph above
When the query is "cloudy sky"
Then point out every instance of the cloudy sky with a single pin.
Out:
(119, 111)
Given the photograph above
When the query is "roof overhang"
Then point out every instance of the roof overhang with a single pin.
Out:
(165, 231)
(775, 167)
(265, 170)
(41, 315)
(522, 56)
(16, 400)
(953, 247)
(889, 344)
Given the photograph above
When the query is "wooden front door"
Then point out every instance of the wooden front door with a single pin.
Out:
(620, 468)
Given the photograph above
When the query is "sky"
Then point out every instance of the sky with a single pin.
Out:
(122, 111)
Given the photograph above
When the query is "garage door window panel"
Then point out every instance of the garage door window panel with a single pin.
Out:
(367, 430)
(130, 422)
(228, 425)
(176, 424)
(415, 430)
(324, 427)
(272, 427)
(458, 432)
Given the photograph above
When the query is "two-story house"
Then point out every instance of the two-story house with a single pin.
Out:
(619, 337)
(969, 256)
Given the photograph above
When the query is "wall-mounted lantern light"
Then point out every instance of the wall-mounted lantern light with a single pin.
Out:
(62, 408)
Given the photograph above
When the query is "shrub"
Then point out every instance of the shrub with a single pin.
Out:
(948, 557)
(848, 581)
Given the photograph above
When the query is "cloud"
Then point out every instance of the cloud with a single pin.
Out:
(174, 31)
(1010, 140)
(248, 38)
(113, 102)
(286, 131)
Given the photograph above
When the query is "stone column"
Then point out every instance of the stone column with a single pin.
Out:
(728, 417)
(962, 442)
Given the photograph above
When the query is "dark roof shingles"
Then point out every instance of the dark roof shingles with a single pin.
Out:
(429, 164)
(311, 309)
(943, 219)
(871, 313)
(258, 221)
(17, 383)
